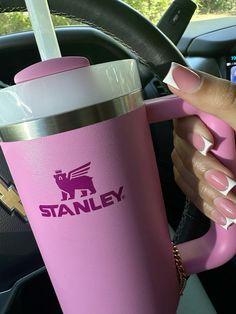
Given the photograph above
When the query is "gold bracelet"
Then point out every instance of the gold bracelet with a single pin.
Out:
(182, 275)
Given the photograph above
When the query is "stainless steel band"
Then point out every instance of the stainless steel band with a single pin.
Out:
(41, 127)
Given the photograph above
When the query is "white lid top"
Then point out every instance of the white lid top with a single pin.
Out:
(67, 91)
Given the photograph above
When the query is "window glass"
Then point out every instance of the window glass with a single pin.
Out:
(19, 21)
(152, 9)
(207, 9)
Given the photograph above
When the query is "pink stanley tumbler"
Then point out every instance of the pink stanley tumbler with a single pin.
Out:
(78, 144)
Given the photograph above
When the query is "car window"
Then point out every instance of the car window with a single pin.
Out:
(207, 9)
(19, 21)
(152, 9)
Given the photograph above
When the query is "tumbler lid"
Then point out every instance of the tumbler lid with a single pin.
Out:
(62, 92)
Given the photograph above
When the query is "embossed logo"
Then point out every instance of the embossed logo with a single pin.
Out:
(75, 180)
(78, 194)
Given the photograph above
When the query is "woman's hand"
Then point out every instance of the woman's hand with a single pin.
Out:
(199, 174)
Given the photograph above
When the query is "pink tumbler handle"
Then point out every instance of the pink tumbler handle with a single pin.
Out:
(218, 245)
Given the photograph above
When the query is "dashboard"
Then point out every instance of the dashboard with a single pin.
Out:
(231, 68)
(210, 46)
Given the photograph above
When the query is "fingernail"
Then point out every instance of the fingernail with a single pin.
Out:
(226, 207)
(229, 223)
(218, 218)
(202, 144)
(219, 181)
(182, 78)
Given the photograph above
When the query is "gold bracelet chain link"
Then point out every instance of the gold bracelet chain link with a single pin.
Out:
(182, 275)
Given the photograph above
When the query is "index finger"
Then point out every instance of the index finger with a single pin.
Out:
(194, 131)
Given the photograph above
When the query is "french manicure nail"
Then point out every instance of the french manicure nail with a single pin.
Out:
(218, 218)
(182, 78)
(219, 181)
(229, 223)
(226, 207)
(202, 144)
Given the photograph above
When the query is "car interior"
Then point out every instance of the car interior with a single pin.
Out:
(113, 31)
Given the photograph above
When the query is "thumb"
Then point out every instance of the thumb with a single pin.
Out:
(203, 91)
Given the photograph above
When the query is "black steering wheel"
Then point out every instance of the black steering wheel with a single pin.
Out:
(152, 48)
(120, 21)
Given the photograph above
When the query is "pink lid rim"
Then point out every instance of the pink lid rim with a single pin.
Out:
(50, 67)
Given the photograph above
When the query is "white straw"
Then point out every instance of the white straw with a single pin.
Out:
(43, 29)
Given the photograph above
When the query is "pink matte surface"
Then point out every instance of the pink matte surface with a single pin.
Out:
(49, 67)
(114, 260)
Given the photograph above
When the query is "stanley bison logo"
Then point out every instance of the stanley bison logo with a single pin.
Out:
(76, 179)
(85, 200)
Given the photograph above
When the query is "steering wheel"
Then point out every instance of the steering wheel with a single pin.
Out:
(152, 48)
(120, 21)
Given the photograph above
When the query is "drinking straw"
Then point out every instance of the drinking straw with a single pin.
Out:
(43, 29)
